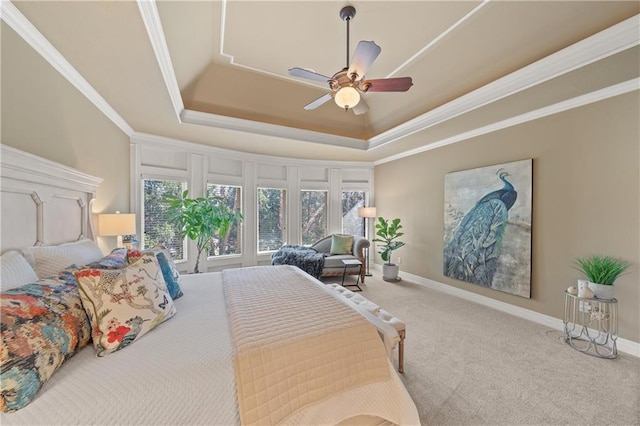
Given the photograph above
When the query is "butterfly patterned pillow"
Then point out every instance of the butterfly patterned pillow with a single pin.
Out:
(124, 304)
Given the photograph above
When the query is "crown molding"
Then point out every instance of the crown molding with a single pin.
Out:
(151, 19)
(267, 129)
(599, 46)
(25, 29)
(156, 141)
(437, 39)
(595, 96)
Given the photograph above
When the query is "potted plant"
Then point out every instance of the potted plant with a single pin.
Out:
(201, 219)
(387, 234)
(601, 271)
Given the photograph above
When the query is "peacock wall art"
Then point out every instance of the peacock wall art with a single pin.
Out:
(487, 235)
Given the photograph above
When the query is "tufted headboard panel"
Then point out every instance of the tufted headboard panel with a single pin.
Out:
(42, 202)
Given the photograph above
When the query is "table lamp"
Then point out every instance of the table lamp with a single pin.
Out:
(110, 225)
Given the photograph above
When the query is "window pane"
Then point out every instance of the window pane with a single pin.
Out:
(314, 216)
(351, 223)
(272, 220)
(232, 198)
(156, 229)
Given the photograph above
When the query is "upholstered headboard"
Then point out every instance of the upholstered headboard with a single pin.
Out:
(43, 202)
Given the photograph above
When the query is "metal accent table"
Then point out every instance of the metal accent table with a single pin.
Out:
(591, 325)
(351, 264)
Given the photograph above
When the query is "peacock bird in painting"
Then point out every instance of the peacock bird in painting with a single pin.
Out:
(472, 254)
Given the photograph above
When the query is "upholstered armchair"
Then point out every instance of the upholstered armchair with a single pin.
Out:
(333, 265)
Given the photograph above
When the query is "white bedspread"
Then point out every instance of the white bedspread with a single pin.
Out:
(134, 386)
(165, 379)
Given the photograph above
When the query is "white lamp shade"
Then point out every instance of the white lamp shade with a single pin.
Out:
(367, 211)
(110, 225)
(347, 97)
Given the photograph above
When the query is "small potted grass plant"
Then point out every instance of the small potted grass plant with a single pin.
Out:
(601, 271)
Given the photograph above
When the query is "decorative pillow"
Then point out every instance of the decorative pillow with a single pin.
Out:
(42, 325)
(341, 244)
(117, 259)
(15, 271)
(48, 260)
(167, 266)
(124, 304)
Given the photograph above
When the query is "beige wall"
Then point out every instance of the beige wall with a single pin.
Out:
(43, 114)
(586, 195)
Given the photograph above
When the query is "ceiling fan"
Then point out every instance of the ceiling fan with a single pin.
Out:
(347, 84)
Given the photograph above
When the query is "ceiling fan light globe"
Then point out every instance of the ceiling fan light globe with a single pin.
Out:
(347, 97)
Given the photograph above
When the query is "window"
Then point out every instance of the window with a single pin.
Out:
(314, 215)
(272, 218)
(232, 197)
(156, 229)
(351, 223)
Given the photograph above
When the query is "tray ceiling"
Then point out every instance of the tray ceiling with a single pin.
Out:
(200, 71)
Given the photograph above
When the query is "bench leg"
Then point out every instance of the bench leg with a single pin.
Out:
(401, 351)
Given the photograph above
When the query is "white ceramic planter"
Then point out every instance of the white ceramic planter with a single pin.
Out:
(390, 272)
(602, 291)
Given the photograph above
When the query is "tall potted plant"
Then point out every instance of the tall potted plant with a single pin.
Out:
(387, 234)
(601, 271)
(201, 219)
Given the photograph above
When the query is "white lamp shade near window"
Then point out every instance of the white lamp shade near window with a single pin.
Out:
(110, 225)
(367, 211)
(347, 97)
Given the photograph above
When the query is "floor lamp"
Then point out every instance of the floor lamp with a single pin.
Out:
(366, 213)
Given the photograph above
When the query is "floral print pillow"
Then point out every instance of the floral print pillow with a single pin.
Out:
(42, 325)
(124, 304)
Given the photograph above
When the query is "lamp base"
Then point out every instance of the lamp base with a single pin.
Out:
(368, 274)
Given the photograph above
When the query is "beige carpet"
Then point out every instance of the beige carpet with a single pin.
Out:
(467, 364)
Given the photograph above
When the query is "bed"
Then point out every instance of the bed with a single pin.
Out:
(204, 365)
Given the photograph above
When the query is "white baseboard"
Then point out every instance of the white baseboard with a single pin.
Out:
(624, 345)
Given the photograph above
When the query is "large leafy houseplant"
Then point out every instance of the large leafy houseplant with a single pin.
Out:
(601, 269)
(387, 233)
(201, 219)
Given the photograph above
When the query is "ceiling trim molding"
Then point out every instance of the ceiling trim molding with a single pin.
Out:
(155, 141)
(232, 58)
(151, 19)
(29, 33)
(268, 129)
(437, 39)
(589, 98)
(608, 42)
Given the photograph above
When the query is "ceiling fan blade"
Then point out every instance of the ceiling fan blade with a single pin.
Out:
(300, 72)
(361, 107)
(400, 84)
(321, 100)
(366, 52)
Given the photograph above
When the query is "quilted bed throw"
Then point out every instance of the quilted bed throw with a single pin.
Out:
(295, 344)
(305, 258)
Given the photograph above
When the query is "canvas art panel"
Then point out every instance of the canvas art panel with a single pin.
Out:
(487, 226)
